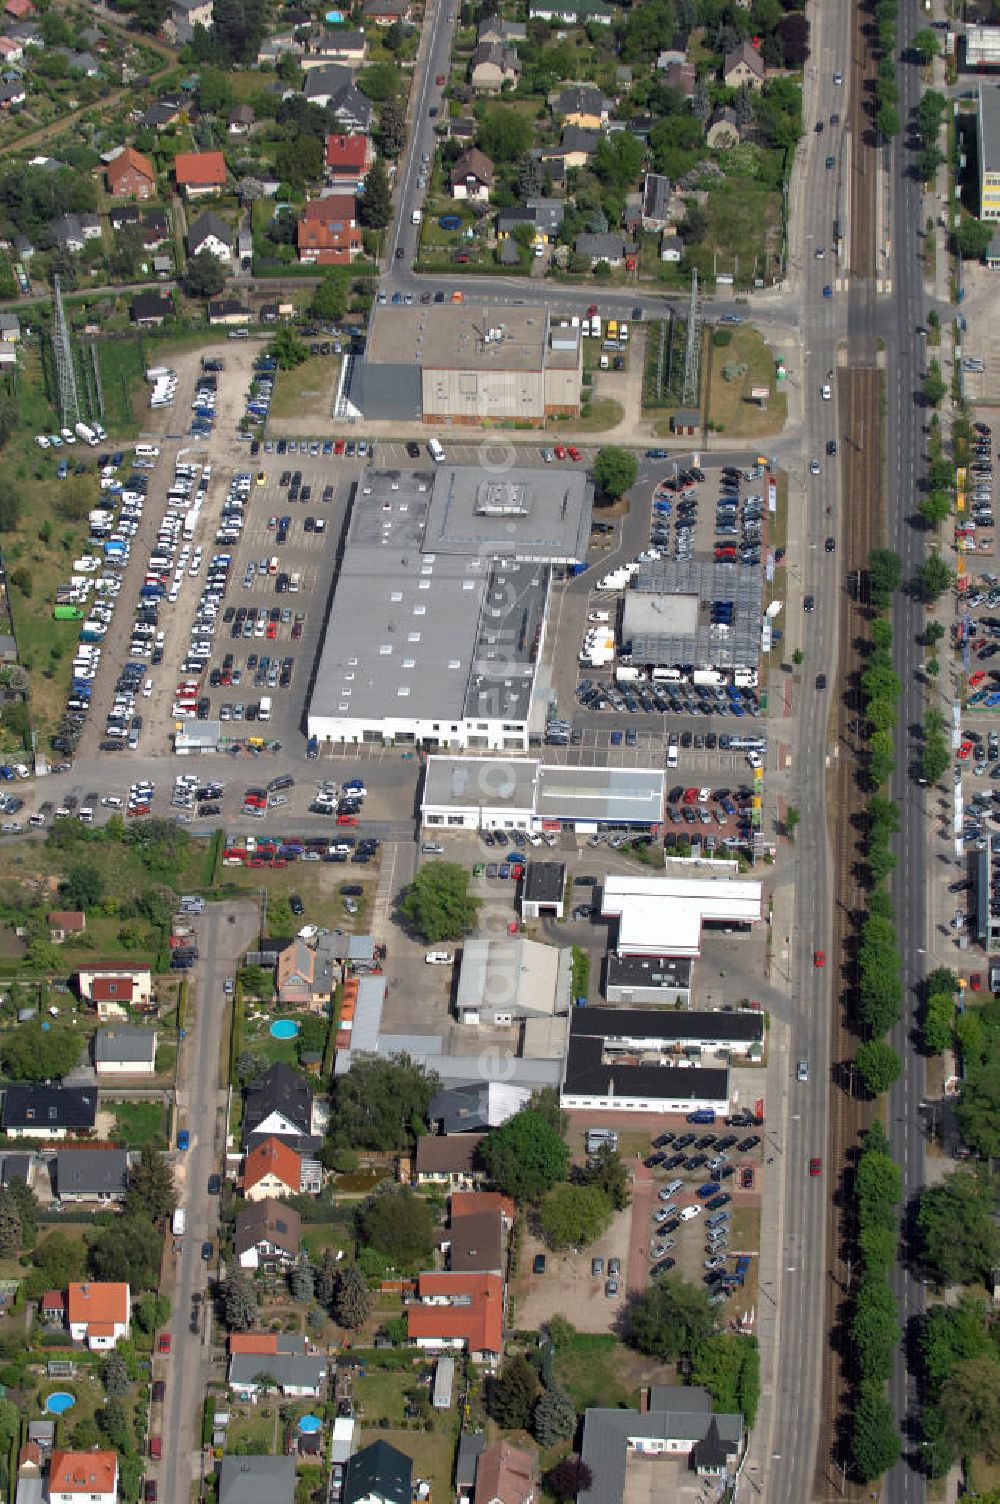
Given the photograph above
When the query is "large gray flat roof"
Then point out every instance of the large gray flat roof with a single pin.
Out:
(452, 337)
(989, 126)
(483, 782)
(519, 513)
(629, 795)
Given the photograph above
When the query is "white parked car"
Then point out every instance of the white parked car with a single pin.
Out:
(439, 958)
(825, 391)
(690, 1212)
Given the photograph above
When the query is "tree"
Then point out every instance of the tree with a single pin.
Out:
(10, 1225)
(376, 202)
(302, 1279)
(380, 81)
(287, 349)
(128, 1251)
(874, 1328)
(925, 45)
(400, 1225)
(933, 578)
(929, 159)
(793, 33)
(972, 238)
(151, 1190)
(874, 1440)
(239, 1303)
(327, 1277)
(82, 887)
(554, 1417)
(504, 134)
(568, 1478)
(205, 276)
(671, 1319)
(299, 160)
(970, 1406)
(390, 137)
(618, 159)
(728, 1366)
(114, 1425)
(31, 1053)
(959, 1240)
(615, 470)
(353, 1301)
(574, 1215)
(215, 92)
(381, 1104)
(437, 903)
(878, 1066)
(114, 1374)
(150, 1312)
(935, 386)
(57, 1261)
(950, 1335)
(329, 301)
(935, 759)
(525, 1156)
(885, 575)
(514, 1393)
(935, 508)
(530, 177)
(608, 1172)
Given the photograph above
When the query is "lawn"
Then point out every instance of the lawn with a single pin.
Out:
(604, 413)
(742, 239)
(316, 883)
(730, 409)
(259, 1040)
(317, 1237)
(253, 1428)
(122, 365)
(308, 391)
(380, 1396)
(139, 1123)
(593, 1370)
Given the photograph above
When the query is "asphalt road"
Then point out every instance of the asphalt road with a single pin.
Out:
(224, 932)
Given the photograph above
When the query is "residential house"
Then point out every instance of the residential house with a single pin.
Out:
(723, 129)
(279, 1103)
(257, 1479)
(544, 216)
(348, 159)
(64, 922)
(655, 202)
(609, 247)
(32, 1110)
(43, 1432)
(476, 1237)
(295, 967)
(18, 10)
(274, 1361)
(99, 1313)
(99, 1175)
(72, 231)
(11, 50)
(352, 110)
(52, 1309)
(152, 224)
(493, 65)
(211, 233)
(185, 15)
(385, 12)
(583, 105)
(676, 1422)
(671, 248)
(678, 73)
(463, 128)
(28, 34)
(82, 1477)
(449, 1160)
(379, 1474)
(12, 94)
(199, 174)
(78, 62)
(241, 119)
(17, 1167)
(462, 1312)
(328, 235)
(322, 83)
(471, 1446)
(506, 1474)
(149, 309)
(576, 147)
(272, 1168)
(571, 12)
(229, 312)
(744, 66)
(161, 114)
(23, 248)
(474, 1109)
(124, 1050)
(267, 1233)
(472, 176)
(339, 46)
(496, 29)
(110, 989)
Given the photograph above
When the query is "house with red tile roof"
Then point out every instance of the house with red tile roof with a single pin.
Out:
(19, 10)
(505, 1474)
(329, 233)
(83, 1477)
(111, 990)
(200, 173)
(131, 175)
(99, 1313)
(52, 1307)
(272, 1168)
(65, 922)
(463, 1312)
(348, 159)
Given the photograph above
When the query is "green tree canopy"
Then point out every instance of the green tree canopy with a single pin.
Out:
(400, 1225)
(875, 1442)
(129, 1251)
(728, 1366)
(574, 1215)
(287, 349)
(969, 1403)
(608, 1171)
(885, 575)
(554, 1417)
(438, 904)
(615, 469)
(959, 1239)
(31, 1053)
(878, 1065)
(205, 276)
(151, 1190)
(525, 1155)
(671, 1319)
(329, 300)
(504, 134)
(972, 238)
(514, 1393)
(82, 887)
(382, 1103)
(925, 45)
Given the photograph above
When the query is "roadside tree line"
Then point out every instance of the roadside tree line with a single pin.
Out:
(874, 1329)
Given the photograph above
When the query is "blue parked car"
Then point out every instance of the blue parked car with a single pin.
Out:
(183, 1139)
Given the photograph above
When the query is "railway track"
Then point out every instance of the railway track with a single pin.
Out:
(863, 254)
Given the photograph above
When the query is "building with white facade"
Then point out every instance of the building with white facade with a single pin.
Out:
(664, 916)
(524, 794)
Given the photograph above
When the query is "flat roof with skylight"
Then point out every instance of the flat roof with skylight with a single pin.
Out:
(521, 514)
(470, 336)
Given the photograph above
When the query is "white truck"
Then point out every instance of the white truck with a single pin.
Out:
(707, 676)
(86, 434)
(178, 1222)
(629, 675)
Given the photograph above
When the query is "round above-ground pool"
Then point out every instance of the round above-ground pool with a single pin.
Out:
(310, 1424)
(59, 1402)
(284, 1028)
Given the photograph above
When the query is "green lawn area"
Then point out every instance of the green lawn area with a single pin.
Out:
(744, 220)
(253, 1428)
(139, 1123)
(317, 1237)
(122, 366)
(308, 391)
(316, 883)
(591, 1369)
(433, 1452)
(604, 413)
(729, 404)
(259, 1039)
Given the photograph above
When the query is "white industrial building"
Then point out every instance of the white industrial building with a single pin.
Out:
(664, 916)
(438, 616)
(501, 982)
(488, 793)
(982, 46)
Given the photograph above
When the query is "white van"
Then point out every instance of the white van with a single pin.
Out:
(435, 451)
(416, 217)
(147, 452)
(672, 757)
(295, 583)
(264, 709)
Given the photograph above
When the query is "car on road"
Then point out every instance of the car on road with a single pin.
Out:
(164, 1344)
(184, 1139)
(809, 603)
(159, 1391)
(820, 681)
(816, 1166)
(206, 1251)
(814, 467)
(826, 392)
(802, 1071)
(830, 545)
(538, 1265)
(214, 1185)
(831, 446)
(819, 958)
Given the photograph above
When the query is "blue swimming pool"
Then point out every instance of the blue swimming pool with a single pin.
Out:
(310, 1424)
(59, 1402)
(335, 17)
(284, 1028)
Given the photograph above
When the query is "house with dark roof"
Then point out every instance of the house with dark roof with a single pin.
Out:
(161, 114)
(493, 65)
(210, 232)
(449, 1160)
(544, 889)
(151, 308)
(571, 12)
(385, 12)
(267, 1234)
(72, 231)
(34, 1110)
(279, 1103)
(655, 201)
(300, 1375)
(583, 105)
(676, 1424)
(228, 311)
(476, 1238)
(241, 118)
(471, 176)
(322, 83)
(379, 1474)
(473, 1109)
(743, 67)
(352, 109)
(124, 1050)
(497, 28)
(257, 1479)
(90, 1175)
(607, 247)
